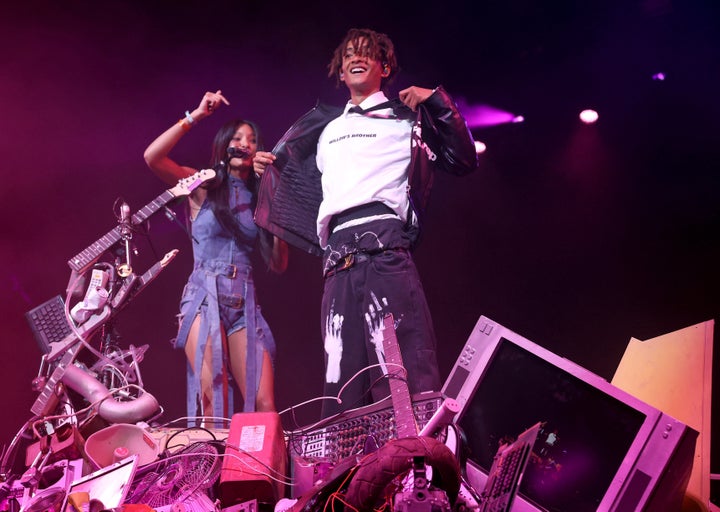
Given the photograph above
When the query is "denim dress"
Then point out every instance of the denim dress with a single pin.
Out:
(221, 290)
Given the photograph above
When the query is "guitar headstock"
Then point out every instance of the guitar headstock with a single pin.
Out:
(168, 258)
(187, 185)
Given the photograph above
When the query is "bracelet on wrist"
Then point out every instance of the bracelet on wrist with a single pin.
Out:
(183, 123)
(189, 118)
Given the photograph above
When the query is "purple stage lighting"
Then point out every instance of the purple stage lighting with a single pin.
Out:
(482, 116)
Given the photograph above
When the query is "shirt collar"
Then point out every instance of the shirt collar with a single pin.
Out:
(374, 99)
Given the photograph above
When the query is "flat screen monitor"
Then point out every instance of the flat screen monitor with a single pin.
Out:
(598, 449)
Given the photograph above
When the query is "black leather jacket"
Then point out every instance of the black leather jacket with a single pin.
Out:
(291, 191)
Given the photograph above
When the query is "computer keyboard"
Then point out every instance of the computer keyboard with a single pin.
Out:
(48, 323)
(506, 473)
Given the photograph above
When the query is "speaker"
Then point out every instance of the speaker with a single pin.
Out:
(118, 442)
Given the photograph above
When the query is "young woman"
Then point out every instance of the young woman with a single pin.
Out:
(221, 328)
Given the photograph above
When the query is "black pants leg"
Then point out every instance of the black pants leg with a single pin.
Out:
(354, 303)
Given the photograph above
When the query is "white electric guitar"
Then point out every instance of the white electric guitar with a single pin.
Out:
(82, 261)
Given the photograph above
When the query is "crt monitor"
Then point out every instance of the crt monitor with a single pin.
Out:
(599, 448)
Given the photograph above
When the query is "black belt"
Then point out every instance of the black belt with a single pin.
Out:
(352, 259)
(359, 212)
(347, 262)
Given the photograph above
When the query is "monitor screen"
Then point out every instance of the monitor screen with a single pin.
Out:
(598, 447)
(585, 433)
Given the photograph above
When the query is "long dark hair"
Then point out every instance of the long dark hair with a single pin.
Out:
(218, 191)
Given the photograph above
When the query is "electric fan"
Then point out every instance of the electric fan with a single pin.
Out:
(182, 477)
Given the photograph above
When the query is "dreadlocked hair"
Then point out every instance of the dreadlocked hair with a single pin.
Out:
(375, 45)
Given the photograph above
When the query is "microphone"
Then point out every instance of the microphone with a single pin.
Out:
(234, 152)
(124, 219)
(125, 269)
(124, 213)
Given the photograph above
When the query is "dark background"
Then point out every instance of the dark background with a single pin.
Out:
(577, 237)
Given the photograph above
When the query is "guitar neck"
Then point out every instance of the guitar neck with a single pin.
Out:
(82, 261)
(405, 423)
(134, 284)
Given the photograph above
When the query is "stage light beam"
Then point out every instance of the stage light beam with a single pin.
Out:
(483, 116)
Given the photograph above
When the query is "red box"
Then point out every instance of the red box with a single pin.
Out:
(255, 461)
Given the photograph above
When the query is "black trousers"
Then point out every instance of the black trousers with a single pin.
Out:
(369, 273)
